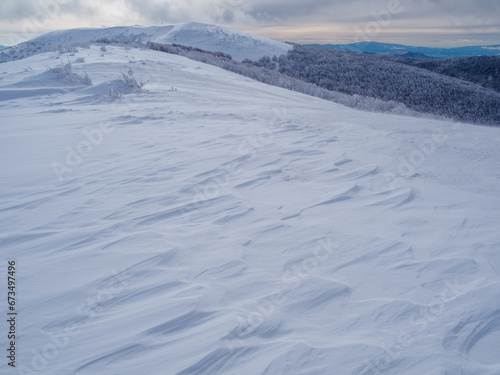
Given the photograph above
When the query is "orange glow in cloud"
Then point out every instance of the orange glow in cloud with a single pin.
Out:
(327, 34)
(349, 33)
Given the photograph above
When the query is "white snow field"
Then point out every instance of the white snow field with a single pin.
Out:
(238, 44)
(209, 224)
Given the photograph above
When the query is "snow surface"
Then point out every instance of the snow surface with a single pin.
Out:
(217, 225)
(238, 44)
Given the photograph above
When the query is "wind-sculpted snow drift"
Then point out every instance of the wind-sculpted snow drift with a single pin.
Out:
(194, 221)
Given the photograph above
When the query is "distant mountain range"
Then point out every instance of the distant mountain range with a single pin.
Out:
(409, 51)
(3, 47)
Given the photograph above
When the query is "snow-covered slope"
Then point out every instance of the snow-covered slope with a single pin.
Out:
(209, 224)
(238, 44)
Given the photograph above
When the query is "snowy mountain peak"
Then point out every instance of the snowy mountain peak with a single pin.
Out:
(238, 44)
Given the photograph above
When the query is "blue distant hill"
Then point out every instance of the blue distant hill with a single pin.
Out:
(409, 51)
(2, 47)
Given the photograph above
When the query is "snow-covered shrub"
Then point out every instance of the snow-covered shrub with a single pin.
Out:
(86, 80)
(114, 93)
(127, 84)
(129, 80)
(65, 73)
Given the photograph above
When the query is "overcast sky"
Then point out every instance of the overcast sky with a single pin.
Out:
(417, 22)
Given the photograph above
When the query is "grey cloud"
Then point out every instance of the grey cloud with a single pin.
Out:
(289, 9)
(361, 10)
(173, 11)
(481, 10)
(265, 11)
(416, 14)
(43, 10)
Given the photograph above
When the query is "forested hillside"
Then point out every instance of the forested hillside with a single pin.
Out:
(380, 77)
(484, 70)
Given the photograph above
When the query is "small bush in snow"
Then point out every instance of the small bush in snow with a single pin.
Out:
(114, 93)
(87, 81)
(130, 81)
(65, 73)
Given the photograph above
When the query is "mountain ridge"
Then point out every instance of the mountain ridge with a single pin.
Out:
(238, 44)
(401, 49)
